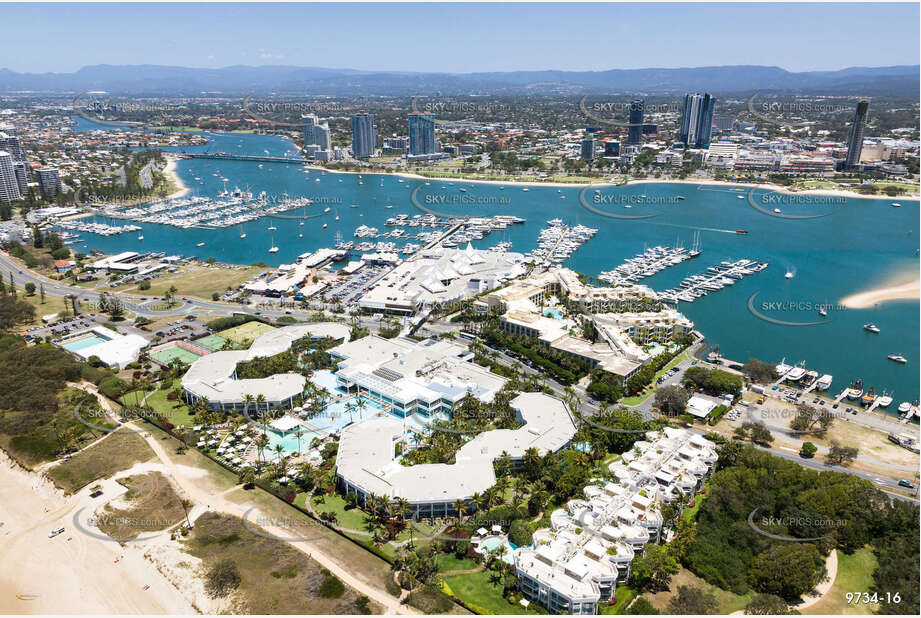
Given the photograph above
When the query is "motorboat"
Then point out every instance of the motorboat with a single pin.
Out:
(855, 390)
(871, 327)
(824, 383)
(897, 358)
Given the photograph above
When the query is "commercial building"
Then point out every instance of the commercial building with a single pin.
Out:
(440, 276)
(366, 460)
(611, 149)
(49, 181)
(587, 149)
(315, 132)
(421, 134)
(213, 377)
(364, 135)
(855, 136)
(635, 130)
(9, 186)
(112, 348)
(576, 564)
(697, 120)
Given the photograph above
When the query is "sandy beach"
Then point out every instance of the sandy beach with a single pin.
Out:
(170, 172)
(910, 290)
(71, 573)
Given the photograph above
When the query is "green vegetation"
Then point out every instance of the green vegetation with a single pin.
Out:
(118, 451)
(564, 368)
(712, 381)
(37, 423)
(837, 510)
(265, 576)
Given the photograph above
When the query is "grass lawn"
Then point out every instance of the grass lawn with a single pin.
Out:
(244, 334)
(118, 451)
(855, 574)
(155, 505)
(176, 412)
(196, 280)
(345, 518)
(638, 399)
(622, 597)
(474, 588)
(450, 562)
(728, 602)
(53, 304)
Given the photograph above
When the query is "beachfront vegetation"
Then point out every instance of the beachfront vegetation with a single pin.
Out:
(826, 509)
(153, 506)
(712, 381)
(117, 451)
(262, 575)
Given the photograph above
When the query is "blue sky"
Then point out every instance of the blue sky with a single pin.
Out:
(459, 37)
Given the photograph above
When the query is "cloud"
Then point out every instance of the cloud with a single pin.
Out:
(265, 55)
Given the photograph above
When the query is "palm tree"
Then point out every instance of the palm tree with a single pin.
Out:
(248, 400)
(279, 450)
(459, 508)
(298, 434)
(403, 507)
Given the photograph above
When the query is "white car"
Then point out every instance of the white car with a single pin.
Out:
(55, 532)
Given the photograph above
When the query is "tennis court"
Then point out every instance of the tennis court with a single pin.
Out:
(244, 334)
(165, 355)
(212, 342)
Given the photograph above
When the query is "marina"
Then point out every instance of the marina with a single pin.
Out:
(715, 278)
(557, 242)
(648, 263)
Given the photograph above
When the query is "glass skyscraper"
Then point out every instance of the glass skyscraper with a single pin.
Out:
(635, 132)
(855, 137)
(421, 134)
(697, 120)
(364, 138)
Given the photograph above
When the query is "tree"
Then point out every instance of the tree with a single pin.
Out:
(654, 569)
(672, 400)
(692, 601)
(811, 420)
(759, 371)
(30, 289)
(808, 450)
(14, 312)
(641, 607)
(788, 571)
(222, 579)
(114, 307)
(758, 433)
(841, 455)
(519, 532)
(763, 604)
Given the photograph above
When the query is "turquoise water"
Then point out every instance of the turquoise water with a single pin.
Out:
(336, 416)
(288, 442)
(554, 313)
(73, 346)
(492, 543)
(862, 245)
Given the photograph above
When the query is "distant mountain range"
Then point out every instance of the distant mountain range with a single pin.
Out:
(242, 80)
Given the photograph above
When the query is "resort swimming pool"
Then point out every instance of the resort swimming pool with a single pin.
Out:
(494, 543)
(336, 415)
(289, 441)
(554, 313)
(86, 342)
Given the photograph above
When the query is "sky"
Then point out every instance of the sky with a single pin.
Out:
(460, 38)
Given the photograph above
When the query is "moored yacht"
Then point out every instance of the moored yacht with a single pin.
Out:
(824, 383)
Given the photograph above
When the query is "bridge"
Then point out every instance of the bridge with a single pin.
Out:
(226, 156)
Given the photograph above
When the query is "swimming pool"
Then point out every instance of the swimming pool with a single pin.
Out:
(288, 442)
(554, 313)
(336, 415)
(86, 342)
(494, 543)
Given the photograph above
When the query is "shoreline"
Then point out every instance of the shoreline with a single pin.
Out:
(910, 290)
(170, 172)
(638, 181)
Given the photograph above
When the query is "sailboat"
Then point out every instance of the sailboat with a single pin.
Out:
(273, 248)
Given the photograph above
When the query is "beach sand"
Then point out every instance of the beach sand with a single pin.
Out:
(170, 172)
(910, 290)
(76, 576)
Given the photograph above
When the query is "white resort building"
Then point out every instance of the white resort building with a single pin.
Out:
(214, 376)
(366, 462)
(439, 276)
(622, 315)
(413, 377)
(576, 564)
